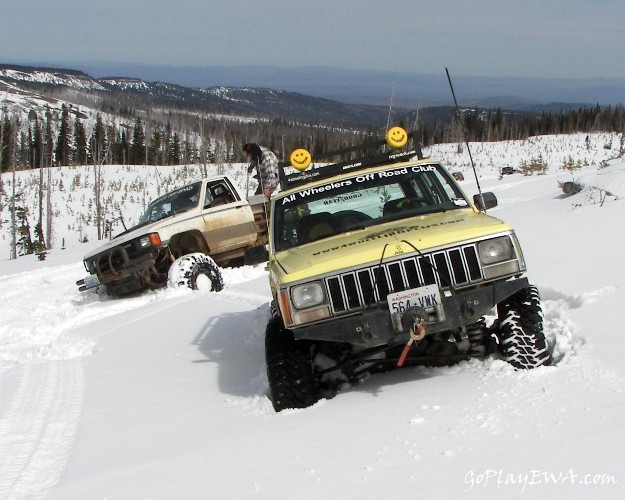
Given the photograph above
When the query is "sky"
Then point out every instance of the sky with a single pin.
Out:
(530, 38)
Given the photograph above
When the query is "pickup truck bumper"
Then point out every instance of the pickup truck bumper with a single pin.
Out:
(120, 272)
(374, 326)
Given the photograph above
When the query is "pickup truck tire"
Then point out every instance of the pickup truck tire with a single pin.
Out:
(523, 342)
(290, 372)
(196, 271)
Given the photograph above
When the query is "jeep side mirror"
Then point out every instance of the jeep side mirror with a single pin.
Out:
(484, 201)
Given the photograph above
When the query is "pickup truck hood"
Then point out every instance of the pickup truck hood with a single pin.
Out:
(365, 246)
(160, 226)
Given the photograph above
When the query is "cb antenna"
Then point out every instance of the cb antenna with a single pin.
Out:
(464, 134)
(390, 107)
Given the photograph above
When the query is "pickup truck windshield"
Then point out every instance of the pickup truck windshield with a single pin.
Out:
(178, 201)
(362, 201)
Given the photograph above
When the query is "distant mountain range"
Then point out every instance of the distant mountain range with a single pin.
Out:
(313, 94)
(31, 83)
(408, 90)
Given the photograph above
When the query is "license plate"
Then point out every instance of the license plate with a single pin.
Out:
(424, 296)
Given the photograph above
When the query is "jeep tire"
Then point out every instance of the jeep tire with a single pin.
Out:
(196, 271)
(290, 371)
(523, 342)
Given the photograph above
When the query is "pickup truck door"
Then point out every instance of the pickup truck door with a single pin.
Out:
(228, 220)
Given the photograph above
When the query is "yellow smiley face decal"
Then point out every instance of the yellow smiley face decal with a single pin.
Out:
(300, 159)
(396, 137)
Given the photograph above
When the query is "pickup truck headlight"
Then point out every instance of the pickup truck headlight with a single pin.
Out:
(495, 250)
(152, 239)
(307, 295)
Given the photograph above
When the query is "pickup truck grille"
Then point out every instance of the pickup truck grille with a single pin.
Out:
(458, 267)
(115, 260)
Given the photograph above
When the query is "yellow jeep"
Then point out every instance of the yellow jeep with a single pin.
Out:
(384, 261)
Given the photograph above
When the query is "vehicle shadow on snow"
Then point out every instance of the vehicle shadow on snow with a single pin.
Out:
(236, 342)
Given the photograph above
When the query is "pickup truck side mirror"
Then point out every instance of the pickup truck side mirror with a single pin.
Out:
(484, 201)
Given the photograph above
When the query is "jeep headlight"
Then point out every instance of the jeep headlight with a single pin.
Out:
(307, 295)
(499, 258)
(495, 250)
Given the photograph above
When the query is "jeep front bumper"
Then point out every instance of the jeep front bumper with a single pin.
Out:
(375, 326)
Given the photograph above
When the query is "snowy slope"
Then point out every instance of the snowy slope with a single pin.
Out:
(164, 395)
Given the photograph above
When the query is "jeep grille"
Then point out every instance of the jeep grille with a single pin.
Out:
(458, 267)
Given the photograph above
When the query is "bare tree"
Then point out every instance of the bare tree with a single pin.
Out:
(48, 158)
(1, 184)
(98, 160)
(13, 193)
(49, 207)
(202, 146)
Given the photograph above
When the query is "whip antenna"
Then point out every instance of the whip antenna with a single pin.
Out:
(464, 134)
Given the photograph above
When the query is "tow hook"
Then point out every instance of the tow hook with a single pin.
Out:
(416, 316)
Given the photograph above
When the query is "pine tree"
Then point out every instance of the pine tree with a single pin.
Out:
(6, 144)
(174, 151)
(98, 143)
(80, 143)
(63, 145)
(24, 242)
(137, 148)
(36, 144)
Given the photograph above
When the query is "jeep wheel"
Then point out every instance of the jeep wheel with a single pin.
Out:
(292, 382)
(196, 271)
(523, 342)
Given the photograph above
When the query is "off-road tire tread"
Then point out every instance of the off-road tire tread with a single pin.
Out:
(290, 371)
(190, 266)
(523, 342)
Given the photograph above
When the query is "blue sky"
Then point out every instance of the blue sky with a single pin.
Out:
(548, 38)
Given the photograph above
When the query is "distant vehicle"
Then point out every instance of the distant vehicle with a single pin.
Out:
(507, 171)
(459, 176)
(183, 235)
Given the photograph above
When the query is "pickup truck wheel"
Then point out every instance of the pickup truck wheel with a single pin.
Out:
(523, 342)
(292, 382)
(196, 271)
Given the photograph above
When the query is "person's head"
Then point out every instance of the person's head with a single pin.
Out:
(247, 148)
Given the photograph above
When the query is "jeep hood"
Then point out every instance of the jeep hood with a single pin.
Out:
(365, 246)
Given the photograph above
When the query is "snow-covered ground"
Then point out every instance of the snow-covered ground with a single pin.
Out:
(165, 395)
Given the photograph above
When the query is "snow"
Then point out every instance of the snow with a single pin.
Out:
(164, 395)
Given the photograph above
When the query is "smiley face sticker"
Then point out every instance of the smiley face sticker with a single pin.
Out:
(300, 159)
(396, 137)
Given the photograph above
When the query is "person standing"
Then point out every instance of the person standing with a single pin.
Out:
(265, 163)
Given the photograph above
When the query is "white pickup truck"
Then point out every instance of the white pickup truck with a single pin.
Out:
(182, 238)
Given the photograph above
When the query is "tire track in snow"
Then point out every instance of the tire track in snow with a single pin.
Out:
(38, 429)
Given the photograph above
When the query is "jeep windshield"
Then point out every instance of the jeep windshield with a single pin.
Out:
(363, 201)
(177, 201)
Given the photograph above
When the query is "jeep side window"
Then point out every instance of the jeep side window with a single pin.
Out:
(434, 188)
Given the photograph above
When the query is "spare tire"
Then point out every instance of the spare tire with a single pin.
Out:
(196, 271)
